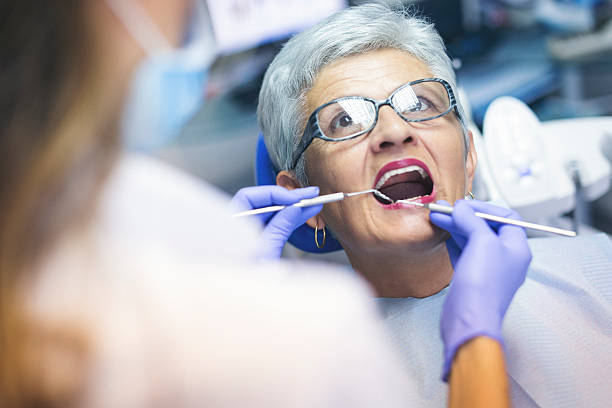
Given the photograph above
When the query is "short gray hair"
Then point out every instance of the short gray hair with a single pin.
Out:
(355, 30)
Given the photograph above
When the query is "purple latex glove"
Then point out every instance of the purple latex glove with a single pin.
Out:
(280, 225)
(490, 262)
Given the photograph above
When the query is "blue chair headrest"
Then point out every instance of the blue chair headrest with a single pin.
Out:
(303, 236)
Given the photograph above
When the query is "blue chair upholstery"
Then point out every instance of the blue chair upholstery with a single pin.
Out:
(303, 236)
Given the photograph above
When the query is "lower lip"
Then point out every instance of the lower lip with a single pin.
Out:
(398, 206)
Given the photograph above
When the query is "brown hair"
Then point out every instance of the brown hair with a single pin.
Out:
(53, 131)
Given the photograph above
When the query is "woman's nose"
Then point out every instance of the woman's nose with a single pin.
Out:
(391, 131)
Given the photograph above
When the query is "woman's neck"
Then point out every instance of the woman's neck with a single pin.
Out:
(419, 274)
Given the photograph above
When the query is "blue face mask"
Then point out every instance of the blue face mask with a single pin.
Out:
(168, 87)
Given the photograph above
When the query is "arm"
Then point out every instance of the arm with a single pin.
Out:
(490, 263)
(478, 377)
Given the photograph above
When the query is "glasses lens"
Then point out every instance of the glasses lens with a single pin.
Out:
(346, 117)
(421, 101)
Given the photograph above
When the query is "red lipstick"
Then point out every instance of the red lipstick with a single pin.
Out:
(400, 164)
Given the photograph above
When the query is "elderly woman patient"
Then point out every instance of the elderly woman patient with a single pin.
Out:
(367, 99)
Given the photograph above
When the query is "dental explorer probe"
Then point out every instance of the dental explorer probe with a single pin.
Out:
(308, 202)
(449, 210)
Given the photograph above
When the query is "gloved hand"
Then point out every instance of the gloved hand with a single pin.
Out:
(280, 225)
(490, 262)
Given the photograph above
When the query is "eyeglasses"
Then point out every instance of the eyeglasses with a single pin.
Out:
(352, 116)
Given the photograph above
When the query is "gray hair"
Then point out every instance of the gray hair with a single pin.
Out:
(355, 30)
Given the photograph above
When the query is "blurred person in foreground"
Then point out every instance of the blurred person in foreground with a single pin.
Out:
(125, 283)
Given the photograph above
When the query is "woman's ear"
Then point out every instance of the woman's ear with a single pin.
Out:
(288, 180)
(471, 161)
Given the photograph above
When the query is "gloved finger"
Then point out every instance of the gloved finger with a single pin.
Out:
(299, 194)
(454, 251)
(466, 223)
(262, 196)
(488, 208)
(512, 236)
(459, 238)
(290, 218)
(442, 220)
(280, 228)
(515, 238)
(445, 221)
(240, 201)
(286, 221)
(507, 232)
(306, 192)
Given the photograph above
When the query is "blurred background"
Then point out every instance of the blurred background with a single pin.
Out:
(554, 55)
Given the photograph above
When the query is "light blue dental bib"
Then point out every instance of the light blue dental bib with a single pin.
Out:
(558, 330)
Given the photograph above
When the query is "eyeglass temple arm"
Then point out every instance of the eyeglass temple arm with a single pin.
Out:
(311, 131)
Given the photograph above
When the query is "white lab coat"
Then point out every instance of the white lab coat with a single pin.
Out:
(176, 312)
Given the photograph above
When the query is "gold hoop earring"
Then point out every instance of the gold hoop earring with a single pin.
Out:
(470, 195)
(317, 237)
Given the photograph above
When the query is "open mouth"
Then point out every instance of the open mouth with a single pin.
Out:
(403, 180)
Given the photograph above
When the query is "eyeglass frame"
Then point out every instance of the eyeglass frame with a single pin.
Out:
(313, 130)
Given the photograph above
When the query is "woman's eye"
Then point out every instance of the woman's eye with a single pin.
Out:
(343, 120)
(423, 105)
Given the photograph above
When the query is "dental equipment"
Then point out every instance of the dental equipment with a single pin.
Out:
(308, 202)
(449, 210)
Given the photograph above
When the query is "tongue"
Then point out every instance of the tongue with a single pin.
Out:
(403, 191)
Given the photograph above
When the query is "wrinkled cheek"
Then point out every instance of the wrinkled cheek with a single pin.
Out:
(337, 219)
(337, 180)
(452, 190)
(317, 169)
(326, 178)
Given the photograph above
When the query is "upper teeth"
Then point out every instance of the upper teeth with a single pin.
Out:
(395, 172)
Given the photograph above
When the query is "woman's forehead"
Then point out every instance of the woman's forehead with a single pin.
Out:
(375, 74)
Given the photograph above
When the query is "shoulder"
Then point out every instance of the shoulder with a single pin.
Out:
(554, 249)
(583, 263)
(253, 327)
(146, 202)
(174, 308)
(563, 310)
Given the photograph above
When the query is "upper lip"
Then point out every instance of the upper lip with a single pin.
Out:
(400, 164)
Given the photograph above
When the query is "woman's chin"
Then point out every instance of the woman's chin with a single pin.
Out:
(407, 239)
(406, 221)
(420, 239)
